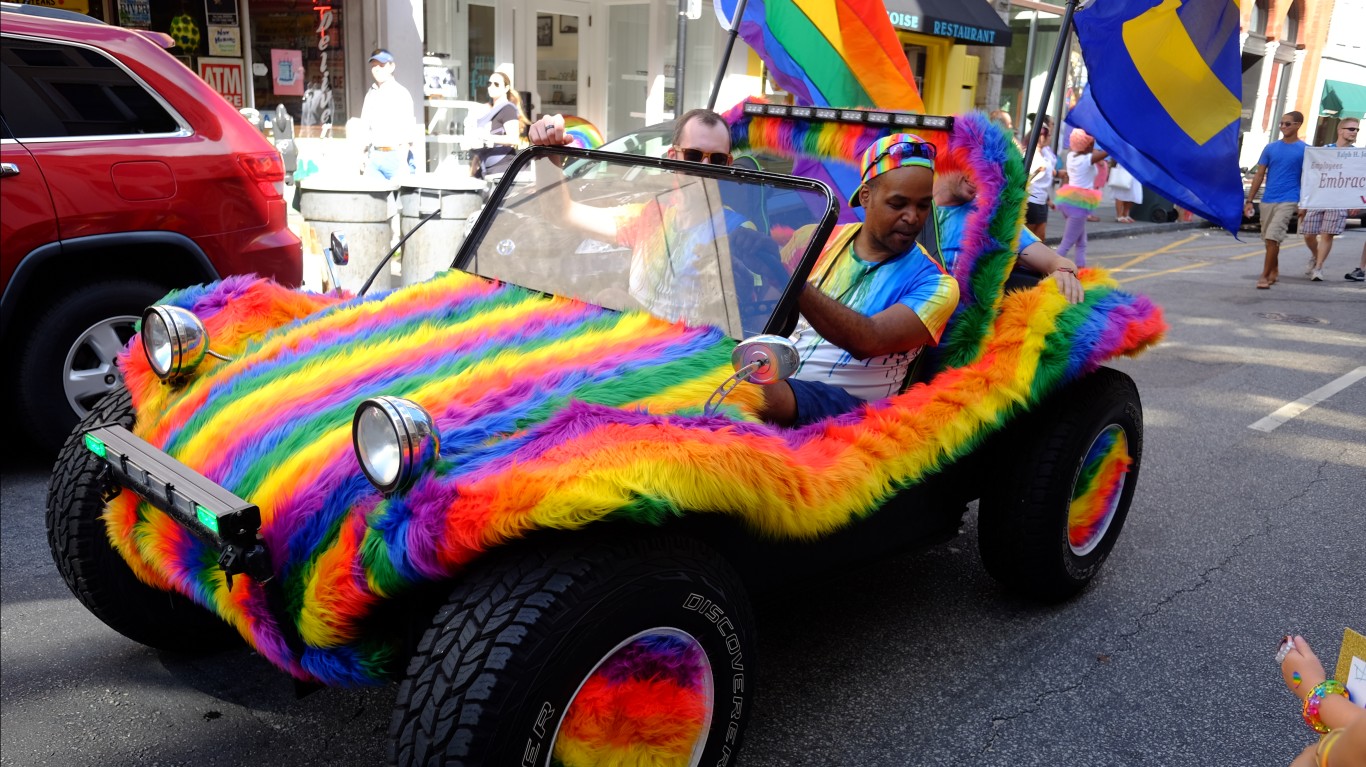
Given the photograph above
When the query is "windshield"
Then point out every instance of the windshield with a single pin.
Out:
(685, 242)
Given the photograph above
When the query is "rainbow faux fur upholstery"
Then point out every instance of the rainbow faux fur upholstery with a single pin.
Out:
(553, 414)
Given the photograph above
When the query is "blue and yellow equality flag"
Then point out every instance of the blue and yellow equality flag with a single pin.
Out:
(1164, 97)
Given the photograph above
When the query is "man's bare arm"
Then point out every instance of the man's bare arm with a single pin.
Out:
(1045, 260)
(895, 329)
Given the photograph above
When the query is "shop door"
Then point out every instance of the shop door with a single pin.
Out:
(628, 67)
(560, 77)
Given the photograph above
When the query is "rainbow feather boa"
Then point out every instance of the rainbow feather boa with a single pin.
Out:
(553, 415)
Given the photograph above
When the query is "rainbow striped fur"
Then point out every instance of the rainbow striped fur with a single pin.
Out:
(647, 704)
(1098, 486)
(1078, 197)
(799, 139)
(553, 415)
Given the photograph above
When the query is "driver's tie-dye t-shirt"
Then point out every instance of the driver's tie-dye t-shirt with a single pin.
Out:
(913, 279)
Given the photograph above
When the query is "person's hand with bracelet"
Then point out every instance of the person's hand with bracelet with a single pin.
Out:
(1069, 284)
(1325, 708)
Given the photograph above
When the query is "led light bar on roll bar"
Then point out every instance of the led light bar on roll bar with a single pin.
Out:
(869, 116)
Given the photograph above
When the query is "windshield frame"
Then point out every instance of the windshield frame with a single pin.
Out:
(782, 321)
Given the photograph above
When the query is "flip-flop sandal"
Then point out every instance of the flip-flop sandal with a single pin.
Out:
(1263, 285)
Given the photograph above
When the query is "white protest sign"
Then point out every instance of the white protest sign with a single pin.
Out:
(1333, 178)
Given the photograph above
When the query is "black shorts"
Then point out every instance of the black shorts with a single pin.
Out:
(1036, 213)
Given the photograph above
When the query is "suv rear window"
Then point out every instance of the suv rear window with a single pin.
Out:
(51, 90)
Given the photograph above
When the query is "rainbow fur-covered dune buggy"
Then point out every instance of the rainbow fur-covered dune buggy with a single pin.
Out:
(541, 509)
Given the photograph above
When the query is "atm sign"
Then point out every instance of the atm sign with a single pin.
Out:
(227, 76)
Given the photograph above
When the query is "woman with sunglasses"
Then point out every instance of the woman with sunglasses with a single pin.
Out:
(502, 127)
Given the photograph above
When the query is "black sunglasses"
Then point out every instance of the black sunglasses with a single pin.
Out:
(697, 155)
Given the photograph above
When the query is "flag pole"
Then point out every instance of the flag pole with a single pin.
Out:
(725, 56)
(1064, 42)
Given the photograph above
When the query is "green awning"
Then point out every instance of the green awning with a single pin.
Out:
(1343, 99)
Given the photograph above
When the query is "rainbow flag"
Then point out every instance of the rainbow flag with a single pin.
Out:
(840, 53)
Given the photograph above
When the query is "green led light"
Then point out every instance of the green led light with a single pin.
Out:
(94, 445)
(206, 518)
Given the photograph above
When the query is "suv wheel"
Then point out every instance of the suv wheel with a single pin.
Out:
(636, 649)
(67, 364)
(1069, 472)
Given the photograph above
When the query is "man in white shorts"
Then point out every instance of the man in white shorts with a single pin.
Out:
(1327, 224)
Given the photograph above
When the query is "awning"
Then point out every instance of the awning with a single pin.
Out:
(1343, 99)
(972, 22)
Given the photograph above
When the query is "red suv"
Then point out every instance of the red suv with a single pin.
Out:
(123, 176)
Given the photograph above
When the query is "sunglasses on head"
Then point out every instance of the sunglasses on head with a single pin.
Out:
(912, 148)
(697, 155)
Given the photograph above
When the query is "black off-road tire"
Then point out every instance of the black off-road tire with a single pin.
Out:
(95, 572)
(494, 674)
(1023, 528)
(40, 375)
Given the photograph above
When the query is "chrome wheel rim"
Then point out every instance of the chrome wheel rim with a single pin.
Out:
(90, 369)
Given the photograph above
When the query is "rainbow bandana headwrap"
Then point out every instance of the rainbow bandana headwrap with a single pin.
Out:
(898, 150)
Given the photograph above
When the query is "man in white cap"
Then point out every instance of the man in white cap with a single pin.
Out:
(388, 114)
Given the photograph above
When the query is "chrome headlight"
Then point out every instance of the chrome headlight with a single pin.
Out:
(173, 339)
(395, 439)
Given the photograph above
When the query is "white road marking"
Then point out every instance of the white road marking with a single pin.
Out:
(1286, 412)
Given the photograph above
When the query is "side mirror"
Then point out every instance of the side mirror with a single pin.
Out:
(762, 360)
(337, 254)
(768, 359)
(338, 251)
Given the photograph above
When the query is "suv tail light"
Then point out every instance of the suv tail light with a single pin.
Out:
(268, 171)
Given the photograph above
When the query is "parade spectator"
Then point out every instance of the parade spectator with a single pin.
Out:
(1327, 224)
(1079, 197)
(955, 198)
(1042, 172)
(1280, 165)
(388, 116)
(1325, 707)
(1127, 191)
(1002, 118)
(500, 126)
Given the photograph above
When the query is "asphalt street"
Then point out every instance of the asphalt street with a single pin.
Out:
(1236, 536)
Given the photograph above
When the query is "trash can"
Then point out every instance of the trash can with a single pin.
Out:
(432, 248)
(362, 209)
(1154, 207)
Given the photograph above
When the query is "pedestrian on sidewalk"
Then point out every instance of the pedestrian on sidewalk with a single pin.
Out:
(388, 116)
(1327, 223)
(1280, 165)
(1041, 175)
(1127, 191)
(1079, 197)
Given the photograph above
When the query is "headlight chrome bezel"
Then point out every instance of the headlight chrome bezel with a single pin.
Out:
(186, 343)
(415, 441)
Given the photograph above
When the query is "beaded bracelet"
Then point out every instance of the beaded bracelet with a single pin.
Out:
(1311, 704)
(1067, 269)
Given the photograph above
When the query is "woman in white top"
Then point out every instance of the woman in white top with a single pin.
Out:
(1041, 174)
(1079, 198)
(1127, 191)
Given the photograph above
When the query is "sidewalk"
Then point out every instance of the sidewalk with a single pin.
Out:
(1107, 228)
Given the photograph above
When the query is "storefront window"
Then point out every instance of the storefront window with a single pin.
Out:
(1034, 36)
(297, 47)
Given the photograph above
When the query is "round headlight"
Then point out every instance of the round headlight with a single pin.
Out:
(173, 339)
(394, 439)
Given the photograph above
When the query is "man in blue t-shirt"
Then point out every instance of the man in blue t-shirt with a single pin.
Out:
(1280, 165)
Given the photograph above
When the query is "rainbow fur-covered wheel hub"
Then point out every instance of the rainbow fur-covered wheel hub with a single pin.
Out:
(1096, 494)
(648, 702)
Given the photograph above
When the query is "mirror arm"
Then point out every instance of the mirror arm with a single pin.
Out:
(385, 262)
(729, 385)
